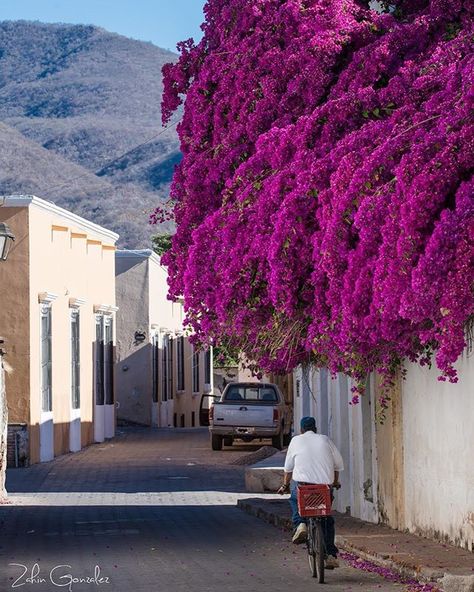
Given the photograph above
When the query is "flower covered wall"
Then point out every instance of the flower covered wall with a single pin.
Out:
(324, 204)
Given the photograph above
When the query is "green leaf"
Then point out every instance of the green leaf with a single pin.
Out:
(161, 243)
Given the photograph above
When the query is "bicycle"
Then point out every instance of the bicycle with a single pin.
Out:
(314, 503)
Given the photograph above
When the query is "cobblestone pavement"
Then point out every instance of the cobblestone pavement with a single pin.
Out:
(154, 510)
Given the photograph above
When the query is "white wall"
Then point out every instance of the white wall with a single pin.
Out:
(3, 430)
(318, 395)
(143, 306)
(434, 441)
(74, 260)
(305, 396)
(438, 438)
(134, 358)
(364, 477)
(352, 430)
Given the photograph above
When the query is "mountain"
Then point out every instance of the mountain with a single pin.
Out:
(28, 168)
(73, 98)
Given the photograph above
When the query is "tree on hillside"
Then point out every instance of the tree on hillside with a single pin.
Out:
(161, 243)
(324, 204)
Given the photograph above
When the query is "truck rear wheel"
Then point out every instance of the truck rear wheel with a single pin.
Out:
(216, 442)
(277, 441)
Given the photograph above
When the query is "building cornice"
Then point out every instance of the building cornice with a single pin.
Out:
(76, 302)
(105, 308)
(141, 254)
(25, 201)
(47, 297)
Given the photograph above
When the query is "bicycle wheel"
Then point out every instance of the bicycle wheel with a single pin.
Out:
(319, 551)
(310, 543)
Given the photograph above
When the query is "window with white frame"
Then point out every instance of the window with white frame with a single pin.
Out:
(155, 361)
(99, 378)
(167, 383)
(104, 360)
(46, 359)
(75, 360)
(180, 362)
(109, 360)
(165, 368)
(196, 356)
(207, 366)
(170, 368)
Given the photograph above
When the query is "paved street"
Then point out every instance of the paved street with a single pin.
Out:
(155, 511)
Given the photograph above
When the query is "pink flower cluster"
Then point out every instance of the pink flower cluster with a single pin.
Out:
(324, 204)
(411, 585)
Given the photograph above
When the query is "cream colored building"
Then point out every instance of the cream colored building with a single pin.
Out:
(57, 316)
(160, 378)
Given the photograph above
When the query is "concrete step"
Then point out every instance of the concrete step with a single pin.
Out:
(266, 475)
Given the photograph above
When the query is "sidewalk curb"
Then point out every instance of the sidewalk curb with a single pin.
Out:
(447, 582)
(424, 573)
(263, 514)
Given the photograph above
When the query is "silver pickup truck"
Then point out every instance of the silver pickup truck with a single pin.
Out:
(250, 410)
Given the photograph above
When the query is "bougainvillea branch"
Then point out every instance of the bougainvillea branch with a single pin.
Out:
(324, 204)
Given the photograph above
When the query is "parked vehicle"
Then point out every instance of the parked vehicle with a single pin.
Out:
(207, 401)
(250, 410)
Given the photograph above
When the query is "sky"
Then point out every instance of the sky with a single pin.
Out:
(164, 22)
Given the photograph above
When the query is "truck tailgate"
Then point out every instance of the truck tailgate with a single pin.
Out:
(243, 415)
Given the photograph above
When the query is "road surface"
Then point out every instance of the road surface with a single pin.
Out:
(152, 510)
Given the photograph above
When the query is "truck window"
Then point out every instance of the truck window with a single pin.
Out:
(251, 393)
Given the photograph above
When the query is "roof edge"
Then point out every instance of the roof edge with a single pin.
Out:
(140, 254)
(25, 201)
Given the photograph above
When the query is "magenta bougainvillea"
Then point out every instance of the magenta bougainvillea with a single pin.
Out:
(324, 204)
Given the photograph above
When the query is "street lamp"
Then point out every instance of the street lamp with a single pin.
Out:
(6, 239)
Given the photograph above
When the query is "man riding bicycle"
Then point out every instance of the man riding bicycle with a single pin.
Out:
(312, 459)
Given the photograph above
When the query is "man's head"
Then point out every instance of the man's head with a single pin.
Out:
(308, 424)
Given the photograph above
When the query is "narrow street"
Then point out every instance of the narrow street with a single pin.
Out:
(155, 510)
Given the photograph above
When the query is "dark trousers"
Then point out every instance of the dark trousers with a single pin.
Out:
(327, 523)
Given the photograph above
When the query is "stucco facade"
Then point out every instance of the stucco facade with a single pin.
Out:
(61, 270)
(3, 429)
(414, 471)
(352, 429)
(160, 378)
(438, 453)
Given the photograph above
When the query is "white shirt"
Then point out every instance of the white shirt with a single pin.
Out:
(313, 458)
